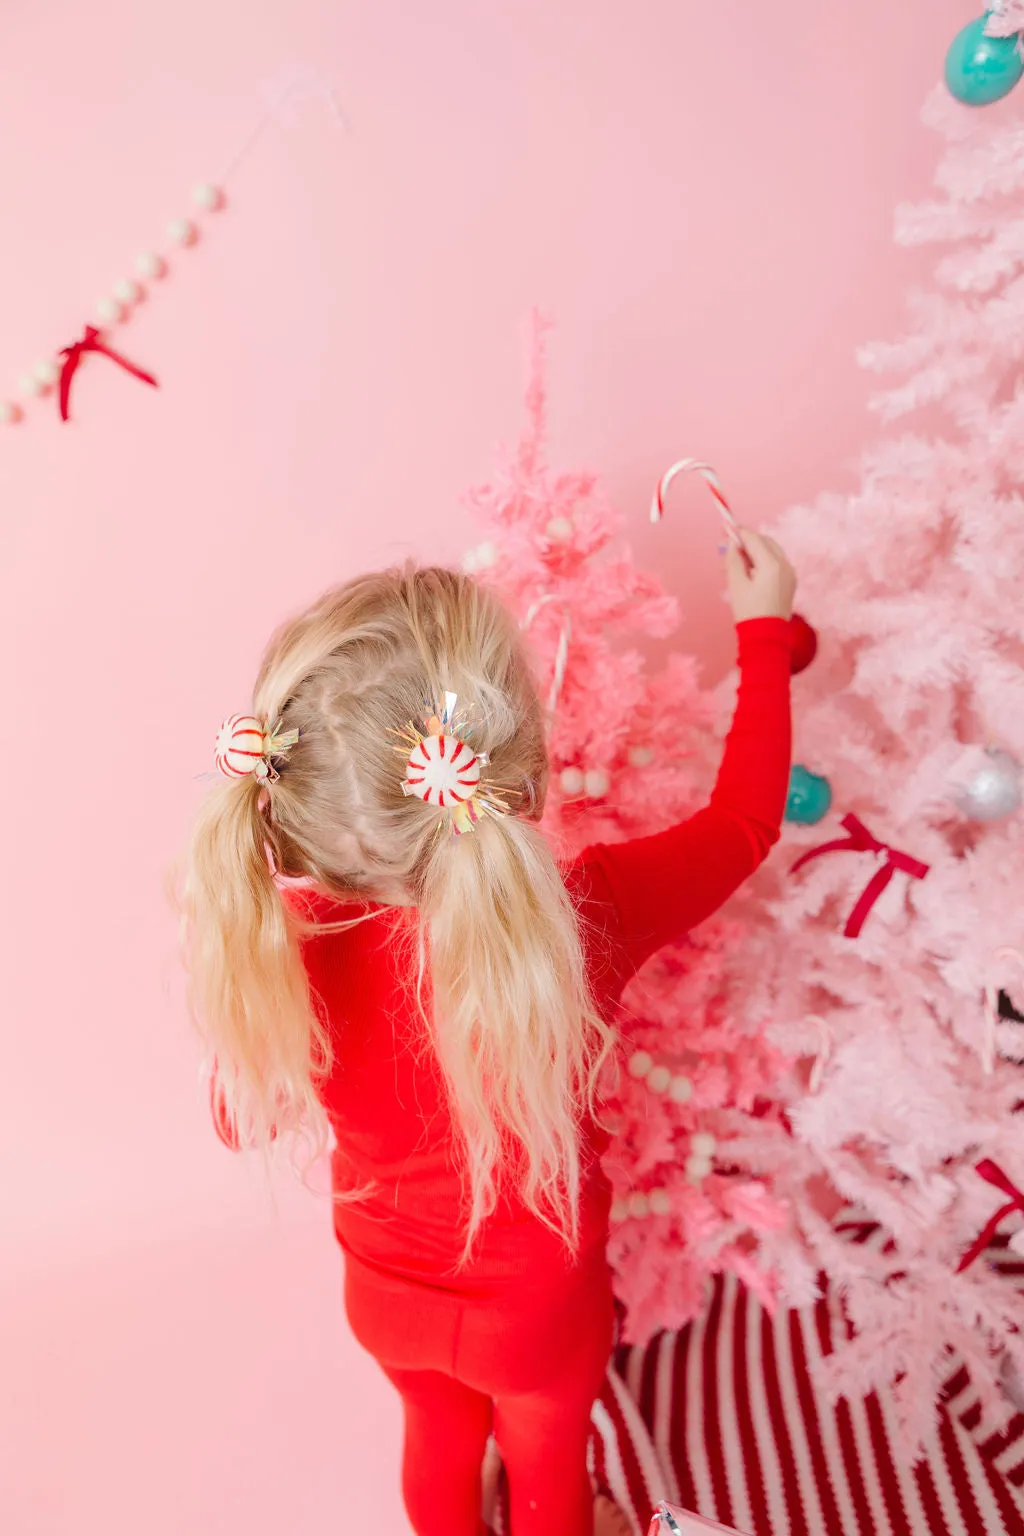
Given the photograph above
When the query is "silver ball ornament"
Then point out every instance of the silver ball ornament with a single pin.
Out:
(995, 790)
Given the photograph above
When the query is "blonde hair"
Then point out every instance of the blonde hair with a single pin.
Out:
(519, 1040)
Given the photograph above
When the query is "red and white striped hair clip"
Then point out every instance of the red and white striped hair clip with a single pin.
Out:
(442, 769)
(246, 745)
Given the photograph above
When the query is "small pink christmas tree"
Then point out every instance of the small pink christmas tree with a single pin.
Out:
(914, 711)
(631, 752)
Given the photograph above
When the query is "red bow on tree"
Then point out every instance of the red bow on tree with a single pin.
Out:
(992, 1174)
(92, 341)
(860, 840)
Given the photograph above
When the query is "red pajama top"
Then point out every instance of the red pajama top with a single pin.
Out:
(385, 1097)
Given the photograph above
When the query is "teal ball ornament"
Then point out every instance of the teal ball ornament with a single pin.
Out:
(810, 796)
(982, 69)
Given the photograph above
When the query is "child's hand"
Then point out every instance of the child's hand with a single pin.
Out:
(766, 591)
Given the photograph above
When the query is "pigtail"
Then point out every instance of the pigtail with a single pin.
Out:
(247, 985)
(519, 1038)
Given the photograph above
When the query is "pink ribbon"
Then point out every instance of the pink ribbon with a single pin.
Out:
(860, 840)
(91, 341)
(992, 1174)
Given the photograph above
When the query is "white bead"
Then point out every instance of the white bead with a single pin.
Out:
(641, 757)
(109, 310)
(149, 264)
(658, 1079)
(208, 196)
(128, 290)
(640, 1063)
(639, 1204)
(620, 1209)
(182, 232)
(47, 373)
(30, 385)
(697, 1168)
(703, 1144)
(571, 780)
(596, 783)
(661, 1202)
(681, 1091)
(560, 529)
(9, 412)
(481, 558)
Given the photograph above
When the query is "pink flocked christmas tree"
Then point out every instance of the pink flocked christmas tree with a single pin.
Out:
(914, 713)
(633, 750)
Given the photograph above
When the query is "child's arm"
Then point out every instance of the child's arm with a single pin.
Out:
(662, 886)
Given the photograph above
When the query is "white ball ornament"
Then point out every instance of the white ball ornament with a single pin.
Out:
(620, 1209)
(697, 1169)
(639, 1204)
(208, 196)
(596, 783)
(681, 1089)
(109, 310)
(641, 757)
(640, 1063)
(661, 1202)
(150, 265)
(560, 530)
(571, 781)
(703, 1144)
(182, 232)
(481, 558)
(47, 373)
(659, 1079)
(29, 384)
(127, 291)
(995, 790)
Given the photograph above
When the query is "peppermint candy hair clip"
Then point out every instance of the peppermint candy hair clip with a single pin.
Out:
(442, 769)
(246, 745)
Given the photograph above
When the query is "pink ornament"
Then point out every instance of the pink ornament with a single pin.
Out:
(240, 748)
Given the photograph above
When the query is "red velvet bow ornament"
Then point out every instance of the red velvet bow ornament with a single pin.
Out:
(860, 840)
(92, 341)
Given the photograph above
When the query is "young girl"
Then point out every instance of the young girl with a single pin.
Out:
(381, 942)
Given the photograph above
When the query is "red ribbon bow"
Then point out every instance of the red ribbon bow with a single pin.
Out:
(860, 840)
(91, 341)
(992, 1174)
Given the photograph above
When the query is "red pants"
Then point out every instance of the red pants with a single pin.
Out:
(527, 1366)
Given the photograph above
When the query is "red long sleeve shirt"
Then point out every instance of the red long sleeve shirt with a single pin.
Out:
(385, 1096)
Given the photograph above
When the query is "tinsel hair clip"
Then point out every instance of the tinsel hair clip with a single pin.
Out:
(247, 746)
(442, 769)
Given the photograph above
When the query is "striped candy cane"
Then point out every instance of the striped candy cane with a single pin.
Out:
(562, 651)
(711, 480)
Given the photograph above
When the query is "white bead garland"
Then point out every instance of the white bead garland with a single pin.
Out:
(639, 1204)
(30, 385)
(703, 1144)
(620, 1209)
(481, 558)
(697, 1168)
(150, 265)
(659, 1079)
(208, 196)
(182, 232)
(571, 781)
(596, 783)
(640, 1063)
(47, 373)
(641, 757)
(661, 1202)
(681, 1089)
(109, 310)
(127, 290)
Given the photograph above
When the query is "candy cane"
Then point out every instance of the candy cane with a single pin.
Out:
(711, 480)
(991, 1013)
(562, 651)
(823, 1054)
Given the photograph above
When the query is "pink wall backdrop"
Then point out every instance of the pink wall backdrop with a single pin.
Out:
(702, 197)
